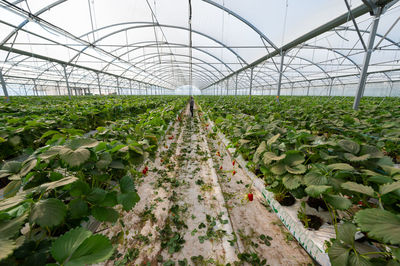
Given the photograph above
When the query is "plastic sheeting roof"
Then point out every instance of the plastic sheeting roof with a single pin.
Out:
(147, 42)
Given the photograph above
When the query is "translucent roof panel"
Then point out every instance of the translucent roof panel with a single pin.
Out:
(147, 42)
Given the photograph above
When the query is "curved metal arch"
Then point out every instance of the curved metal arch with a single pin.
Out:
(175, 61)
(147, 25)
(26, 21)
(343, 28)
(197, 75)
(171, 54)
(154, 43)
(230, 12)
(200, 77)
(156, 68)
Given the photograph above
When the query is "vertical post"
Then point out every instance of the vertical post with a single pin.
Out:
(3, 84)
(291, 94)
(251, 81)
(130, 86)
(280, 74)
(227, 85)
(118, 91)
(34, 88)
(26, 92)
(330, 86)
(66, 81)
(391, 88)
(98, 82)
(236, 84)
(308, 88)
(58, 88)
(367, 57)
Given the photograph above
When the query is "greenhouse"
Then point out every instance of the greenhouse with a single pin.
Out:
(200, 132)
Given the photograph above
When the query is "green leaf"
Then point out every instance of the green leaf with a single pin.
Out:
(292, 181)
(51, 153)
(380, 179)
(273, 139)
(357, 260)
(81, 143)
(278, 169)
(269, 157)
(128, 200)
(315, 178)
(259, 151)
(79, 188)
(12, 188)
(110, 200)
(341, 166)
(117, 148)
(9, 229)
(380, 224)
(117, 165)
(387, 188)
(67, 244)
(338, 202)
(78, 208)
(349, 146)
(104, 161)
(104, 214)
(97, 195)
(373, 151)
(7, 247)
(75, 157)
(316, 191)
(296, 169)
(352, 186)
(94, 249)
(126, 184)
(346, 233)
(48, 213)
(294, 158)
(338, 254)
(353, 158)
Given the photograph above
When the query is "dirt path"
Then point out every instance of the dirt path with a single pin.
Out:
(193, 210)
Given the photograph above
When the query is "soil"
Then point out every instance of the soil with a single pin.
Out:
(288, 200)
(314, 222)
(193, 211)
(316, 202)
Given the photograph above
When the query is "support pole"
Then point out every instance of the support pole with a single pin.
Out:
(130, 86)
(391, 88)
(330, 86)
(291, 93)
(251, 81)
(34, 88)
(98, 82)
(118, 91)
(26, 92)
(66, 81)
(236, 84)
(280, 74)
(58, 88)
(227, 85)
(3, 84)
(367, 57)
(308, 88)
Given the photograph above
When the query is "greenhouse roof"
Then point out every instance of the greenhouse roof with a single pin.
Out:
(148, 43)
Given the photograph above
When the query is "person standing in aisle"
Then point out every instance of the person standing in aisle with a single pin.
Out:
(191, 104)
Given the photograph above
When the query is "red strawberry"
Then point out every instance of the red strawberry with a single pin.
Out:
(218, 154)
(147, 169)
(220, 168)
(233, 163)
(171, 137)
(250, 196)
(144, 171)
(234, 172)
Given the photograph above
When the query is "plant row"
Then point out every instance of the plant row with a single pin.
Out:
(58, 196)
(321, 152)
(27, 124)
